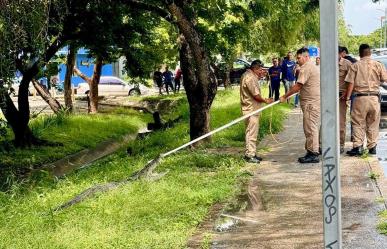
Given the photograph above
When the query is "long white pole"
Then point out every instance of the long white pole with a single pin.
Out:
(221, 128)
(329, 125)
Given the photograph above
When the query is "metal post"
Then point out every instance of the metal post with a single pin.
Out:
(381, 32)
(385, 30)
(329, 125)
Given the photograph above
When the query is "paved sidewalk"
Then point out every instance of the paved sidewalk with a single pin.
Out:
(286, 201)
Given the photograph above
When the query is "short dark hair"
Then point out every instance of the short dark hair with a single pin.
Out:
(303, 50)
(364, 49)
(256, 64)
(341, 49)
(345, 49)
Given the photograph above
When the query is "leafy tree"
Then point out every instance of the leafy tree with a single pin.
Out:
(30, 38)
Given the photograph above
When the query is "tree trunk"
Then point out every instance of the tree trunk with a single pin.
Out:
(199, 98)
(67, 82)
(93, 84)
(45, 94)
(23, 135)
(199, 80)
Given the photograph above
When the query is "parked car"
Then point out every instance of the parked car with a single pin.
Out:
(110, 85)
(383, 87)
(238, 69)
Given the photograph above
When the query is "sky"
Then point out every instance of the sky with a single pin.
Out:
(363, 16)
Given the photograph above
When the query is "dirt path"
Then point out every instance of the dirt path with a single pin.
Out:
(286, 209)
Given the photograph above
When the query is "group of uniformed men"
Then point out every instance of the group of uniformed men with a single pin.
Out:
(358, 82)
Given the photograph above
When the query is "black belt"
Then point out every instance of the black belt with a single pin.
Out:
(365, 94)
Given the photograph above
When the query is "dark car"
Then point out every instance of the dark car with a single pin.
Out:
(238, 69)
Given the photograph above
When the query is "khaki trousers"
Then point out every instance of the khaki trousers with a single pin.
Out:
(343, 106)
(252, 129)
(365, 117)
(311, 122)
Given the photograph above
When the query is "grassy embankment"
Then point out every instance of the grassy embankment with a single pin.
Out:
(75, 132)
(143, 214)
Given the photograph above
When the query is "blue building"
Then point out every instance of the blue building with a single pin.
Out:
(86, 66)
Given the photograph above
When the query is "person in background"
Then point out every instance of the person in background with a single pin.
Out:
(287, 67)
(251, 99)
(308, 84)
(158, 79)
(344, 66)
(347, 56)
(168, 78)
(178, 77)
(364, 78)
(275, 79)
(318, 61)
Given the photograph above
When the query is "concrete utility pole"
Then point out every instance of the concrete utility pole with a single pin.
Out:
(384, 26)
(329, 125)
(381, 30)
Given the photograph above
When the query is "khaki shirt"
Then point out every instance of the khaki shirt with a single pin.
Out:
(366, 75)
(344, 66)
(309, 77)
(248, 89)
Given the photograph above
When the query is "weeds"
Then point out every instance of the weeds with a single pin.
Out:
(144, 214)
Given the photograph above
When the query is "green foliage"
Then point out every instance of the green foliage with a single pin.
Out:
(76, 132)
(382, 226)
(144, 214)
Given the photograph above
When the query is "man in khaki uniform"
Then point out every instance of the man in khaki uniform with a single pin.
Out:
(364, 78)
(250, 94)
(308, 84)
(344, 66)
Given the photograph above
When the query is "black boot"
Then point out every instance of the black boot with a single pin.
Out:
(372, 150)
(357, 151)
(258, 158)
(310, 157)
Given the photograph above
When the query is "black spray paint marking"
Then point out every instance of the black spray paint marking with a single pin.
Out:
(330, 197)
(329, 246)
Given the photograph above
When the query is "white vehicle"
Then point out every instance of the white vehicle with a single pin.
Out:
(383, 87)
(110, 85)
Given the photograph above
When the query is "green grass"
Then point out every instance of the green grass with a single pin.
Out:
(75, 132)
(143, 214)
(382, 226)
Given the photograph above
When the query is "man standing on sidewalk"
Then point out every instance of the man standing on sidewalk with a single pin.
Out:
(275, 79)
(251, 99)
(308, 84)
(288, 68)
(344, 66)
(364, 78)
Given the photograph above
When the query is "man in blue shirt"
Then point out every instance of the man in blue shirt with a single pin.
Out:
(275, 79)
(288, 78)
(168, 79)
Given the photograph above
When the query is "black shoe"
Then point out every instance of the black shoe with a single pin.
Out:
(341, 150)
(372, 151)
(357, 151)
(258, 158)
(320, 151)
(251, 159)
(310, 157)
